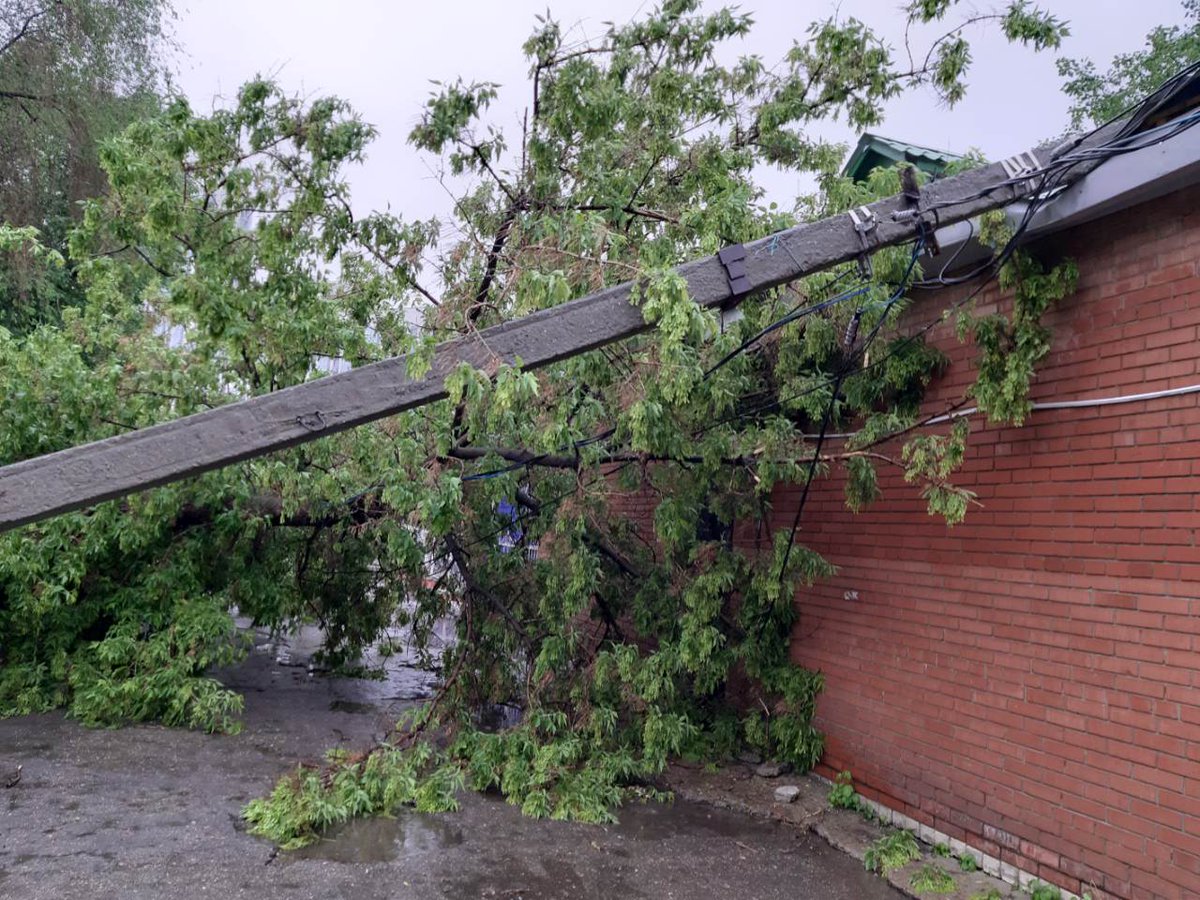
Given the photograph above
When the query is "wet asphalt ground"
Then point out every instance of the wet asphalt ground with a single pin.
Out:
(150, 812)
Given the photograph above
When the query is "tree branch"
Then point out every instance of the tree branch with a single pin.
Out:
(22, 95)
(24, 30)
(462, 563)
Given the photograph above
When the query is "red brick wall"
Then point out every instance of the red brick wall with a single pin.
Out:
(1029, 681)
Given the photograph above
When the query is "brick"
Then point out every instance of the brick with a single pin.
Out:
(1036, 669)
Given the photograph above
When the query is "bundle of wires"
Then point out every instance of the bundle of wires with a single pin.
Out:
(1048, 180)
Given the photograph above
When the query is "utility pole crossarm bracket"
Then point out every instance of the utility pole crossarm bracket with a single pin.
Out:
(864, 223)
(78, 477)
(733, 258)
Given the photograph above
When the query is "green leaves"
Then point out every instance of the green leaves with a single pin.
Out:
(931, 459)
(862, 484)
(932, 879)
(950, 62)
(224, 259)
(71, 76)
(892, 851)
(1029, 24)
(925, 11)
(666, 303)
(205, 275)
(307, 802)
(1099, 96)
(445, 122)
(1012, 345)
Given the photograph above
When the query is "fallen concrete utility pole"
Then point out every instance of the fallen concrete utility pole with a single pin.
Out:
(70, 479)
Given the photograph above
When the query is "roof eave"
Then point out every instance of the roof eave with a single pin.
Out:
(1120, 183)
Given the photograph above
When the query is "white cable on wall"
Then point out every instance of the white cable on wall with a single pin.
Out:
(1052, 404)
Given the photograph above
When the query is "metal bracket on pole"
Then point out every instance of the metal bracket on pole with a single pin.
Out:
(926, 232)
(1021, 165)
(864, 223)
(733, 258)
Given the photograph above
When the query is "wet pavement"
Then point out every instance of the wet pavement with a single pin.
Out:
(150, 812)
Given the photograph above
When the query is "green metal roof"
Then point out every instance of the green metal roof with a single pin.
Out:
(874, 150)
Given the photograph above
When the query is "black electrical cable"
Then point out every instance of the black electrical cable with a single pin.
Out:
(792, 316)
(812, 469)
(798, 313)
(1051, 178)
(842, 371)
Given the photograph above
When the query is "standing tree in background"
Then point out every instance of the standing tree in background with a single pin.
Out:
(1097, 97)
(637, 153)
(72, 74)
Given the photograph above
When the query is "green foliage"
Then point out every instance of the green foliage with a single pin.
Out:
(933, 458)
(541, 766)
(27, 239)
(1099, 96)
(989, 894)
(862, 483)
(71, 75)
(842, 795)
(1028, 24)
(1011, 346)
(223, 260)
(310, 800)
(119, 611)
(950, 57)
(968, 863)
(931, 879)
(892, 851)
(1039, 890)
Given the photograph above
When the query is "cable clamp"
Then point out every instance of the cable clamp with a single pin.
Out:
(733, 258)
(1021, 165)
(864, 223)
(926, 232)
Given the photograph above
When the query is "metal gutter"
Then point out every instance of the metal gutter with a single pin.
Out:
(1118, 184)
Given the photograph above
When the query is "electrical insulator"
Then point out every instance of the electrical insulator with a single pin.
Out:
(852, 331)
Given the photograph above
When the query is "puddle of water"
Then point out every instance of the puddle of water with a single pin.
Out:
(383, 840)
(351, 706)
(663, 821)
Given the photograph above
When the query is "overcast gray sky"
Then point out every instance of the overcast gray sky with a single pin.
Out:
(381, 56)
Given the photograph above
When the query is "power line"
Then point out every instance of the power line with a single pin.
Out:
(837, 384)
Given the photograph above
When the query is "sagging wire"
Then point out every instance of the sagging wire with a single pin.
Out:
(940, 280)
(1051, 178)
(844, 369)
(792, 316)
(798, 313)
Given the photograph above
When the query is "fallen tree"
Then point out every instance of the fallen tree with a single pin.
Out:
(638, 153)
